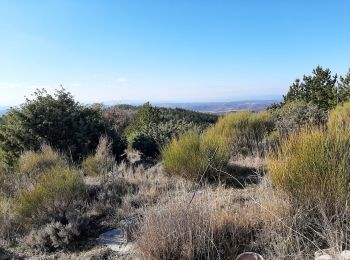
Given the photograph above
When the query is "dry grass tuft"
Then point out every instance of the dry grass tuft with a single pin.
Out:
(33, 163)
(217, 224)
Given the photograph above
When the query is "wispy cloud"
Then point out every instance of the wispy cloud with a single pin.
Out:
(122, 79)
(9, 85)
(75, 84)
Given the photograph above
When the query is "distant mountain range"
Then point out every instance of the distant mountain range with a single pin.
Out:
(3, 110)
(222, 107)
(208, 107)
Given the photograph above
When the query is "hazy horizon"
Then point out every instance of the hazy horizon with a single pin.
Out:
(161, 51)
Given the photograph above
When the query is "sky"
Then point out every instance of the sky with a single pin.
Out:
(168, 50)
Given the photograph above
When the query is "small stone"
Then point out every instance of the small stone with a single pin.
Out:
(112, 237)
(249, 256)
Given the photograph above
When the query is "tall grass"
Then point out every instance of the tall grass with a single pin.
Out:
(314, 164)
(102, 162)
(244, 131)
(33, 163)
(58, 186)
(207, 228)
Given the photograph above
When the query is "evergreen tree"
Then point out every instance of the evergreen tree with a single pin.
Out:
(344, 88)
(319, 88)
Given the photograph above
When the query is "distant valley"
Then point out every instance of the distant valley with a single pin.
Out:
(221, 107)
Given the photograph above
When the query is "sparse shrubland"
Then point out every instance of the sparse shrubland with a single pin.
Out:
(290, 163)
(153, 128)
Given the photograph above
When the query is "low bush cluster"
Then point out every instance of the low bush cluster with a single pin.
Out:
(193, 153)
(295, 115)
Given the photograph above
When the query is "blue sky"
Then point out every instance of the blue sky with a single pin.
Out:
(183, 50)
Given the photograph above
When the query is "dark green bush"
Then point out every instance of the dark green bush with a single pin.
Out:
(57, 120)
(147, 145)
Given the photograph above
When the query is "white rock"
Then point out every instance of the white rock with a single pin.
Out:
(345, 255)
(324, 257)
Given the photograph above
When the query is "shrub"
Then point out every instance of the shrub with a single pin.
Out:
(103, 161)
(147, 145)
(150, 139)
(57, 235)
(8, 225)
(183, 156)
(57, 120)
(118, 118)
(106, 196)
(192, 154)
(35, 163)
(245, 132)
(339, 119)
(57, 194)
(313, 166)
(294, 115)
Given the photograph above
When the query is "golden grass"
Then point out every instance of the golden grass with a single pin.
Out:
(217, 224)
(35, 163)
(234, 134)
(313, 164)
(59, 184)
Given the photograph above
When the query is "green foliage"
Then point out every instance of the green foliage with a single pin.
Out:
(57, 120)
(146, 144)
(90, 166)
(313, 165)
(149, 140)
(296, 114)
(344, 88)
(192, 154)
(51, 199)
(245, 132)
(146, 115)
(179, 114)
(184, 156)
(319, 88)
(236, 133)
(152, 129)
